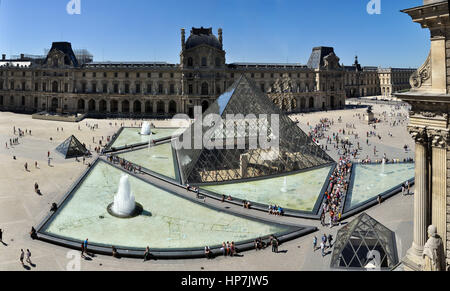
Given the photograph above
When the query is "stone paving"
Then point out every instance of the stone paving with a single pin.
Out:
(21, 207)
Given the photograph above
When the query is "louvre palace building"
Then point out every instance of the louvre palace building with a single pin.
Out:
(65, 82)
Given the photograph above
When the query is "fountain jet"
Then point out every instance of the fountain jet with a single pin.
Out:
(124, 205)
(146, 129)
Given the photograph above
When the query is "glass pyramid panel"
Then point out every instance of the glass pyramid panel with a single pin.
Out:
(72, 148)
(363, 242)
(238, 154)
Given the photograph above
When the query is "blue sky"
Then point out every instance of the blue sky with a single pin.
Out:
(254, 30)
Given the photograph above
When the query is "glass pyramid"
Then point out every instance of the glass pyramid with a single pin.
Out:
(237, 157)
(72, 148)
(364, 243)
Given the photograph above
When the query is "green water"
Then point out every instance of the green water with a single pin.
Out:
(130, 136)
(156, 158)
(168, 221)
(372, 180)
(300, 192)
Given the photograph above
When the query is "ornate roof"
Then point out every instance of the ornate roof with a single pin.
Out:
(201, 36)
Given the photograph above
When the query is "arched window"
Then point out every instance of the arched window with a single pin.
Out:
(217, 62)
(55, 87)
(172, 107)
(54, 105)
(160, 107)
(311, 103)
(205, 105)
(126, 106)
(102, 106)
(81, 104)
(204, 62)
(190, 62)
(91, 105)
(137, 106)
(302, 103)
(148, 107)
(205, 89)
(114, 106)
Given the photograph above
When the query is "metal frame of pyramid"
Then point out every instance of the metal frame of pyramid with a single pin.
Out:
(72, 148)
(297, 151)
(357, 241)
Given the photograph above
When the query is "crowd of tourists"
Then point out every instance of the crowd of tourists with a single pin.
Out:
(338, 187)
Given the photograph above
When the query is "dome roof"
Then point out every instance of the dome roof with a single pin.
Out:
(201, 36)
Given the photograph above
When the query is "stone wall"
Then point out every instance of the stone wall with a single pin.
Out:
(448, 207)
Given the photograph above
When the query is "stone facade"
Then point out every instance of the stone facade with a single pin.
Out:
(58, 82)
(429, 125)
(373, 81)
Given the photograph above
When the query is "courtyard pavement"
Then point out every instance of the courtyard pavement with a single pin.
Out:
(21, 208)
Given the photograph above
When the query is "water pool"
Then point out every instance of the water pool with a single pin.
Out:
(297, 192)
(168, 221)
(372, 180)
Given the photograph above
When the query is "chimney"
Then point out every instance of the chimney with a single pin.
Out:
(22, 56)
(220, 37)
(183, 38)
(3, 57)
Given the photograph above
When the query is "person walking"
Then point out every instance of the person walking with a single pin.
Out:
(147, 254)
(86, 246)
(275, 245)
(324, 239)
(322, 248)
(315, 243)
(29, 257)
(1, 236)
(82, 250)
(22, 255)
(330, 240)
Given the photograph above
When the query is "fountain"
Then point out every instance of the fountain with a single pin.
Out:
(284, 189)
(124, 205)
(146, 129)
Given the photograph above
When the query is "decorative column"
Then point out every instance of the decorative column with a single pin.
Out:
(421, 196)
(439, 141)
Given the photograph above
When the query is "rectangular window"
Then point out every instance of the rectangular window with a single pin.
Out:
(44, 87)
(12, 86)
(94, 88)
(138, 75)
(23, 100)
(66, 87)
(172, 89)
(105, 87)
(94, 75)
(160, 89)
(116, 88)
(149, 88)
(138, 88)
(191, 89)
(127, 88)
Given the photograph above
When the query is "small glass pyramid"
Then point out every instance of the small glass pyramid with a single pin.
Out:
(72, 148)
(364, 243)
